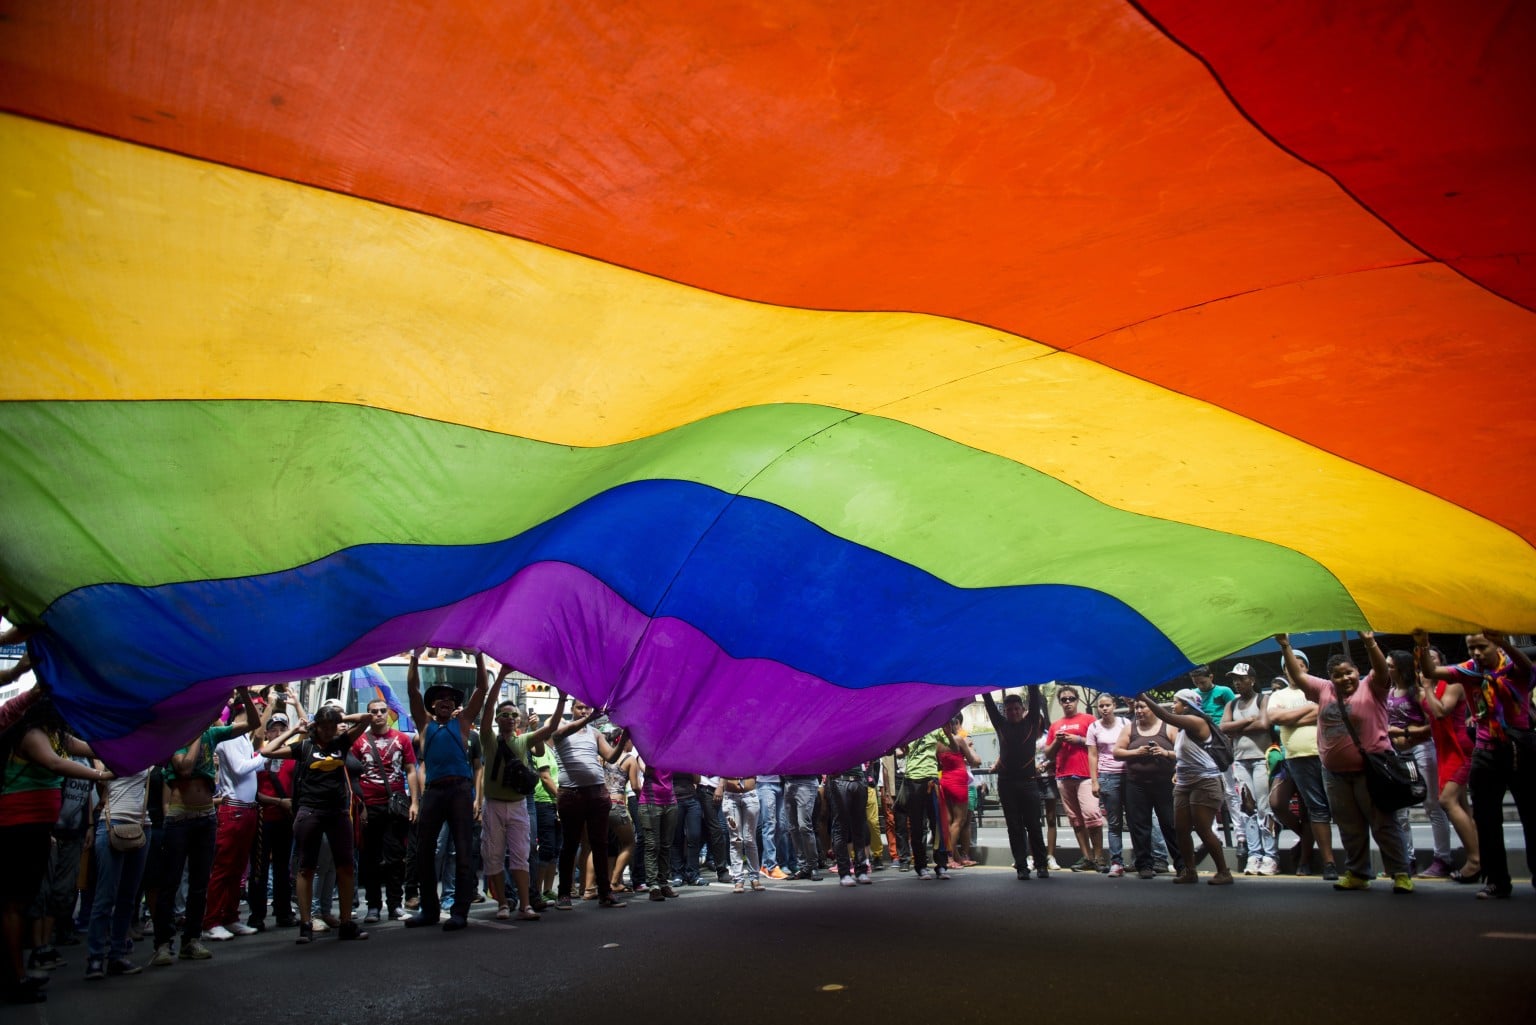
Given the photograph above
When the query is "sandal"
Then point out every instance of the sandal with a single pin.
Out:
(527, 915)
(610, 902)
(589, 895)
(619, 888)
(503, 912)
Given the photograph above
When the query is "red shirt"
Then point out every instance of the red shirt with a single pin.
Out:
(283, 769)
(381, 777)
(1071, 757)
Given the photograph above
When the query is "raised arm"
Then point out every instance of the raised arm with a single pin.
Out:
(413, 693)
(476, 697)
(1195, 725)
(1381, 675)
(1426, 662)
(993, 713)
(279, 747)
(1294, 670)
(252, 717)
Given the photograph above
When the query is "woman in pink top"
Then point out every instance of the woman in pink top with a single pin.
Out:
(1365, 703)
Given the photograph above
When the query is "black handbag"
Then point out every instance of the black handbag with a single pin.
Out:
(1392, 781)
(399, 800)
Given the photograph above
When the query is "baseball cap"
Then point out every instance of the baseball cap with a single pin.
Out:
(1190, 696)
(1241, 669)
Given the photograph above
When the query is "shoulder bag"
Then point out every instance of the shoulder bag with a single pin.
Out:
(1392, 781)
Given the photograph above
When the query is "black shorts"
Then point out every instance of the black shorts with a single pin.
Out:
(24, 851)
(311, 825)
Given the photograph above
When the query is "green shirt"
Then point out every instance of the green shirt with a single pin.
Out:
(495, 789)
(540, 763)
(923, 755)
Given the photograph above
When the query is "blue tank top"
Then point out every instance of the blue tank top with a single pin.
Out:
(443, 752)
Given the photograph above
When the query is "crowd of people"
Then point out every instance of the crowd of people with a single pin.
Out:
(336, 822)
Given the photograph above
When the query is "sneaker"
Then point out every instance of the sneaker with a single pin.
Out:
(321, 925)
(1350, 881)
(641, 888)
(863, 878)
(395, 914)
(218, 934)
(193, 950)
(1162, 868)
(667, 891)
(453, 923)
(373, 916)
(942, 872)
(563, 904)
(1029, 863)
(241, 929)
(739, 888)
(1085, 865)
(1022, 873)
(1145, 873)
(1402, 882)
(924, 873)
(1042, 873)
(45, 959)
(722, 876)
(610, 901)
(1116, 870)
(1330, 872)
(1269, 867)
(527, 915)
(418, 920)
(163, 957)
(701, 881)
(123, 966)
(502, 912)
(1220, 879)
(351, 931)
(1251, 867)
(1050, 863)
(1437, 870)
(847, 880)
(757, 886)
(95, 968)
(903, 865)
(550, 896)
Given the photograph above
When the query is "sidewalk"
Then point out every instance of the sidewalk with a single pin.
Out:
(992, 847)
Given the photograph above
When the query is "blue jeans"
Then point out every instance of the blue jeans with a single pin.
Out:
(1111, 801)
(770, 804)
(686, 841)
(800, 804)
(117, 897)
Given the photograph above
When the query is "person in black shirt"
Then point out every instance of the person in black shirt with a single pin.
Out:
(324, 802)
(1018, 784)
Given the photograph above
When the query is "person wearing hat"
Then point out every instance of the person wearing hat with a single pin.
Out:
(449, 794)
(1197, 790)
(273, 851)
(1244, 722)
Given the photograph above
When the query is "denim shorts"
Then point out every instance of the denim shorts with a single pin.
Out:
(1307, 774)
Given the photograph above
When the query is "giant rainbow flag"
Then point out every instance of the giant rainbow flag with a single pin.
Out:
(776, 373)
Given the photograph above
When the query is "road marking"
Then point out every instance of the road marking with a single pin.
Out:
(1508, 936)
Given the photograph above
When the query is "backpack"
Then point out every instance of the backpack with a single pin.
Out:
(1218, 745)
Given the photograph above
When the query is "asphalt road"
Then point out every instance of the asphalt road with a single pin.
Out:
(983, 947)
